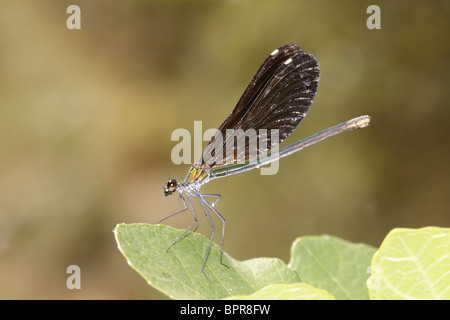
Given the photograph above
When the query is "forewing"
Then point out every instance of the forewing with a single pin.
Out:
(277, 98)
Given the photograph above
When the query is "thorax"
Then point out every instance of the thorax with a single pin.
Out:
(196, 176)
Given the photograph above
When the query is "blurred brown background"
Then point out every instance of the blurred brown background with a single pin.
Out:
(86, 118)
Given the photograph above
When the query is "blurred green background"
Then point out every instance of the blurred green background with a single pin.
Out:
(86, 118)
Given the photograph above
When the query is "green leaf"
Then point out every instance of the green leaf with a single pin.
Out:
(332, 264)
(294, 291)
(412, 264)
(177, 272)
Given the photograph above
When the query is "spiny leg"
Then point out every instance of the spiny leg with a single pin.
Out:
(211, 207)
(195, 220)
(173, 214)
(198, 225)
(202, 202)
(218, 196)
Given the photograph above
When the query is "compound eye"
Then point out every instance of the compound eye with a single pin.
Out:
(172, 184)
(170, 187)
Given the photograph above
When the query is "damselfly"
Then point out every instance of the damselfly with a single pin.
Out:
(276, 100)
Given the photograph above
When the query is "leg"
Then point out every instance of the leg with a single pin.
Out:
(202, 202)
(217, 196)
(195, 219)
(209, 210)
(173, 214)
(211, 207)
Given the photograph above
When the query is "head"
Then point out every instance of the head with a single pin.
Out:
(170, 187)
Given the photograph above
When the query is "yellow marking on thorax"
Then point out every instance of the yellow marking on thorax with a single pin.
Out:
(196, 173)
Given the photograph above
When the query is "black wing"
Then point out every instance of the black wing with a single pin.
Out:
(278, 97)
